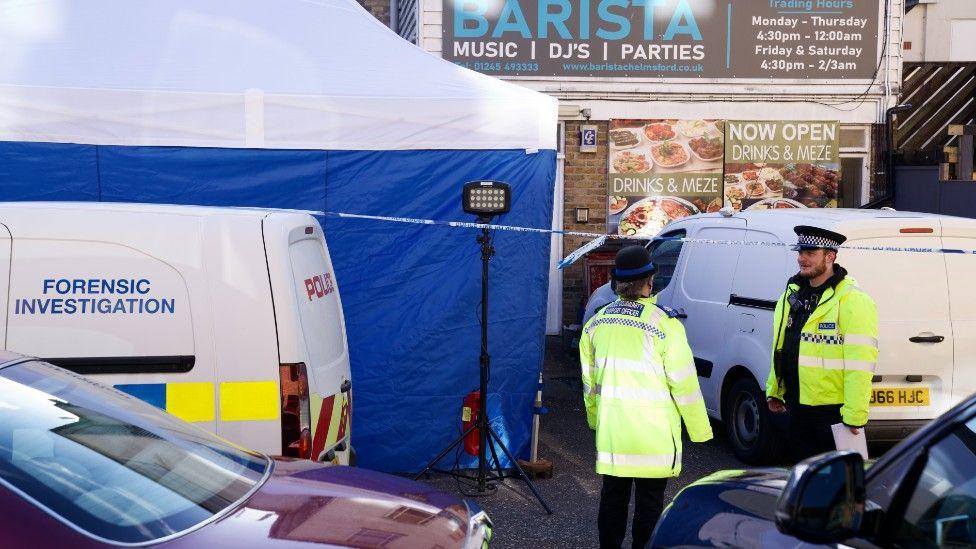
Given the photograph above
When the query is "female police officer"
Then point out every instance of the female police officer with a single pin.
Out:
(639, 382)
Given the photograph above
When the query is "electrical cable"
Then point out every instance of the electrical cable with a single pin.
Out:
(465, 483)
(874, 78)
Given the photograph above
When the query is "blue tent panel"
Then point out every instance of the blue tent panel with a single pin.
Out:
(411, 296)
(48, 171)
(213, 177)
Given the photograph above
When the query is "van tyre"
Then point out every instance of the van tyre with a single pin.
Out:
(748, 424)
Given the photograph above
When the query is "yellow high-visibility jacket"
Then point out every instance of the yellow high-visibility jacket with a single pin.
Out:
(838, 350)
(639, 382)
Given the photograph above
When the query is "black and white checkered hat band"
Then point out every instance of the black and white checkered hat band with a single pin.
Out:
(811, 241)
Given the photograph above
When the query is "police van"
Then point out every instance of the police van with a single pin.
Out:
(228, 318)
(725, 294)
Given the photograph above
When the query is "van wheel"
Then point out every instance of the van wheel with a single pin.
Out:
(748, 425)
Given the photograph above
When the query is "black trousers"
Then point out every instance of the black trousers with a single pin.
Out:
(614, 502)
(810, 432)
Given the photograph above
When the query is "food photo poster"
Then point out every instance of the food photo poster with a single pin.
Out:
(781, 164)
(661, 170)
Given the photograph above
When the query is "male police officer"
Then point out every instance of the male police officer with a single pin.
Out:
(639, 382)
(825, 347)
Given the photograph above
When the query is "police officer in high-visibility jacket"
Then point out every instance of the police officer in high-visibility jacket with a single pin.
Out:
(639, 382)
(825, 347)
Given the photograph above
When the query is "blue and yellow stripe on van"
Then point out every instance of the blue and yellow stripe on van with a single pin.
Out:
(196, 401)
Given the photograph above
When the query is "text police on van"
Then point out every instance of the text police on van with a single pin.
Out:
(137, 288)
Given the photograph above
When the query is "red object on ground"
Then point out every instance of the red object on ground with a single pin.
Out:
(469, 415)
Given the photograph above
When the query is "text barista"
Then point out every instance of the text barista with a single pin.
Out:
(555, 21)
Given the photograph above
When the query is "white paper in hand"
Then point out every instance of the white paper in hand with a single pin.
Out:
(844, 439)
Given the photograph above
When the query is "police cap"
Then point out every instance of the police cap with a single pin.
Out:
(814, 238)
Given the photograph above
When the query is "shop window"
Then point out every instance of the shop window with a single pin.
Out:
(962, 40)
(853, 138)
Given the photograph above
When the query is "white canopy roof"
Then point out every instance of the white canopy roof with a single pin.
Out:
(315, 74)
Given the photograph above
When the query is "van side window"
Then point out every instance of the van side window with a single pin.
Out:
(776, 260)
(708, 277)
(664, 254)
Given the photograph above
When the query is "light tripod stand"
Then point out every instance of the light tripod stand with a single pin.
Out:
(487, 438)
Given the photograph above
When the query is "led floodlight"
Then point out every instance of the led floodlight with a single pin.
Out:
(486, 198)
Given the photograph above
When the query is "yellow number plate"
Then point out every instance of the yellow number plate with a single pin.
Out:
(900, 397)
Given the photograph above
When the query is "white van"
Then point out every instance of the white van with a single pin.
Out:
(229, 318)
(926, 309)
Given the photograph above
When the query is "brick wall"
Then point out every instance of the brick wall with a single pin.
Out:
(585, 186)
(379, 8)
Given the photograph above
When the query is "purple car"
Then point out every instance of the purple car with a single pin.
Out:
(83, 465)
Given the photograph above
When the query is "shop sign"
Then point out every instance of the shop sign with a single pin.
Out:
(662, 170)
(588, 139)
(780, 39)
(781, 164)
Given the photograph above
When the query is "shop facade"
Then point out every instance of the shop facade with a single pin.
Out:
(685, 72)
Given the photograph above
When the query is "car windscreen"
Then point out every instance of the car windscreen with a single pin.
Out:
(109, 464)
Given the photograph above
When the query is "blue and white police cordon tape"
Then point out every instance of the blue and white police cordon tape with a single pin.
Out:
(600, 239)
(463, 224)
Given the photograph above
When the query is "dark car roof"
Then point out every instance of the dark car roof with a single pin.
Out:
(734, 503)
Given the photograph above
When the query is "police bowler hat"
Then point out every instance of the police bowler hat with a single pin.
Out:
(633, 263)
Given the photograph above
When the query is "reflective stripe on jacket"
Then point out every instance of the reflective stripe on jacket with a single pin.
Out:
(639, 382)
(838, 350)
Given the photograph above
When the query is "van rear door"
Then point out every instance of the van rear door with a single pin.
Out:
(311, 326)
(911, 291)
(320, 311)
(960, 234)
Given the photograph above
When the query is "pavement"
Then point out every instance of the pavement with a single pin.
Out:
(573, 492)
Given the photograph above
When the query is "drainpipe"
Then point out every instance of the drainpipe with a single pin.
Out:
(395, 16)
(890, 144)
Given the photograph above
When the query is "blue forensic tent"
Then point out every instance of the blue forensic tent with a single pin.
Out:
(307, 104)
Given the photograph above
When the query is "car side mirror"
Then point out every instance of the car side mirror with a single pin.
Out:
(823, 501)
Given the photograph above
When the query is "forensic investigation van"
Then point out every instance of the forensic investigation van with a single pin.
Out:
(726, 278)
(229, 318)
